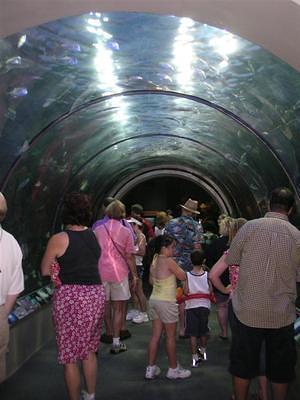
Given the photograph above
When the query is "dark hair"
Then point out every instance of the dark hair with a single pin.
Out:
(162, 241)
(76, 209)
(210, 226)
(281, 199)
(197, 257)
(137, 208)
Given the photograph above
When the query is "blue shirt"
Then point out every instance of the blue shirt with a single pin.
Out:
(187, 232)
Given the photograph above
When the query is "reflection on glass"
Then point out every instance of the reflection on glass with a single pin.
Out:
(22, 41)
(103, 61)
(183, 52)
(224, 44)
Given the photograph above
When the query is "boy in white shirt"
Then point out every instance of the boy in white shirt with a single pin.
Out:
(198, 291)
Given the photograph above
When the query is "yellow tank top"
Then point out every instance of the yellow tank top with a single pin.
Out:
(164, 289)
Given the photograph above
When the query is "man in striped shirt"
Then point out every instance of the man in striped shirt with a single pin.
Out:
(268, 253)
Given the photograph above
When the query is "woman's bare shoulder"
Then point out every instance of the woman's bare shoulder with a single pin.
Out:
(171, 262)
(58, 240)
(59, 236)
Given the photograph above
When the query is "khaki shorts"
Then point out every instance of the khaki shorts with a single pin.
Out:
(4, 338)
(117, 291)
(166, 311)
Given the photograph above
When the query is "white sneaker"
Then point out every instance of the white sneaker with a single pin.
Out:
(131, 314)
(178, 373)
(140, 318)
(152, 372)
(202, 354)
(85, 396)
(195, 362)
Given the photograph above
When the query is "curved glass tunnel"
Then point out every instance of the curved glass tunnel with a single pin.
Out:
(107, 103)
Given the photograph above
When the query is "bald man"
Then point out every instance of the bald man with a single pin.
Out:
(11, 282)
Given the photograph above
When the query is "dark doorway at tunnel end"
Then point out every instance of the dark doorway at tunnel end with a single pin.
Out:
(162, 193)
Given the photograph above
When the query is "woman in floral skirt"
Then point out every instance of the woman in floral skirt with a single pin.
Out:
(71, 258)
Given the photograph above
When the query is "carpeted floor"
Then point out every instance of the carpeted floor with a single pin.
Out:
(122, 376)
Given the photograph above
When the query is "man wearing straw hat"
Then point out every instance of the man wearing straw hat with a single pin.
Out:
(188, 234)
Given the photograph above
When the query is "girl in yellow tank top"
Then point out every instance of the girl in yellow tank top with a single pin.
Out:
(163, 310)
(164, 289)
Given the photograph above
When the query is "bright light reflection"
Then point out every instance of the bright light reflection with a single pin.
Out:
(99, 32)
(22, 40)
(224, 45)
(183, 52)
(104, 65)
(96, 14)
(187, 22)
(107, 76)
(121, 112)
(94, 22)
(91, 29)
(223, 64)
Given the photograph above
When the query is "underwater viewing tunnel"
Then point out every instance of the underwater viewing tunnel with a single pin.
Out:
(112, 102)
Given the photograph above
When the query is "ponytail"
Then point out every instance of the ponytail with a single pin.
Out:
(156, 244)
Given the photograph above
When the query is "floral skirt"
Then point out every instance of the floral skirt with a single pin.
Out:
(78, 312)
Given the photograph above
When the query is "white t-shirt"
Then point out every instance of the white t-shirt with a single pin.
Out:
(11, 273)
(198, 284)
(159, 231)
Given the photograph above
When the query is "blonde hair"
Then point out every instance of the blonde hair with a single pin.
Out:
(115, 210)
(222, 216)
(161, 218)
(234, 226)
(224, 225)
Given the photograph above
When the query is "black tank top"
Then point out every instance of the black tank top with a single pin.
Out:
(79, 263)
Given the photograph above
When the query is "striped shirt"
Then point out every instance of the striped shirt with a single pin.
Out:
(268, 253)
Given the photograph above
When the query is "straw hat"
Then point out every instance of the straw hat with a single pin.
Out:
(191, 205)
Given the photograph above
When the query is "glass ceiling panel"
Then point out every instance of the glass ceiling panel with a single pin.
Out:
(73, 141)
(48, 70)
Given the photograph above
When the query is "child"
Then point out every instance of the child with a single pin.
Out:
(197, 309)
(163, 310)
(138, 296)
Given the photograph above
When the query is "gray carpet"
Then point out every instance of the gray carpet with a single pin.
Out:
(122, 376)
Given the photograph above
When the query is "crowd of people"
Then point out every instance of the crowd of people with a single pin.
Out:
(248, 268)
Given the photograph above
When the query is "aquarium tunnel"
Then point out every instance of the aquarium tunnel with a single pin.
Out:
(148, 108)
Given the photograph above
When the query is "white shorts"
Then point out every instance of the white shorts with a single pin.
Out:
(117, 291)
